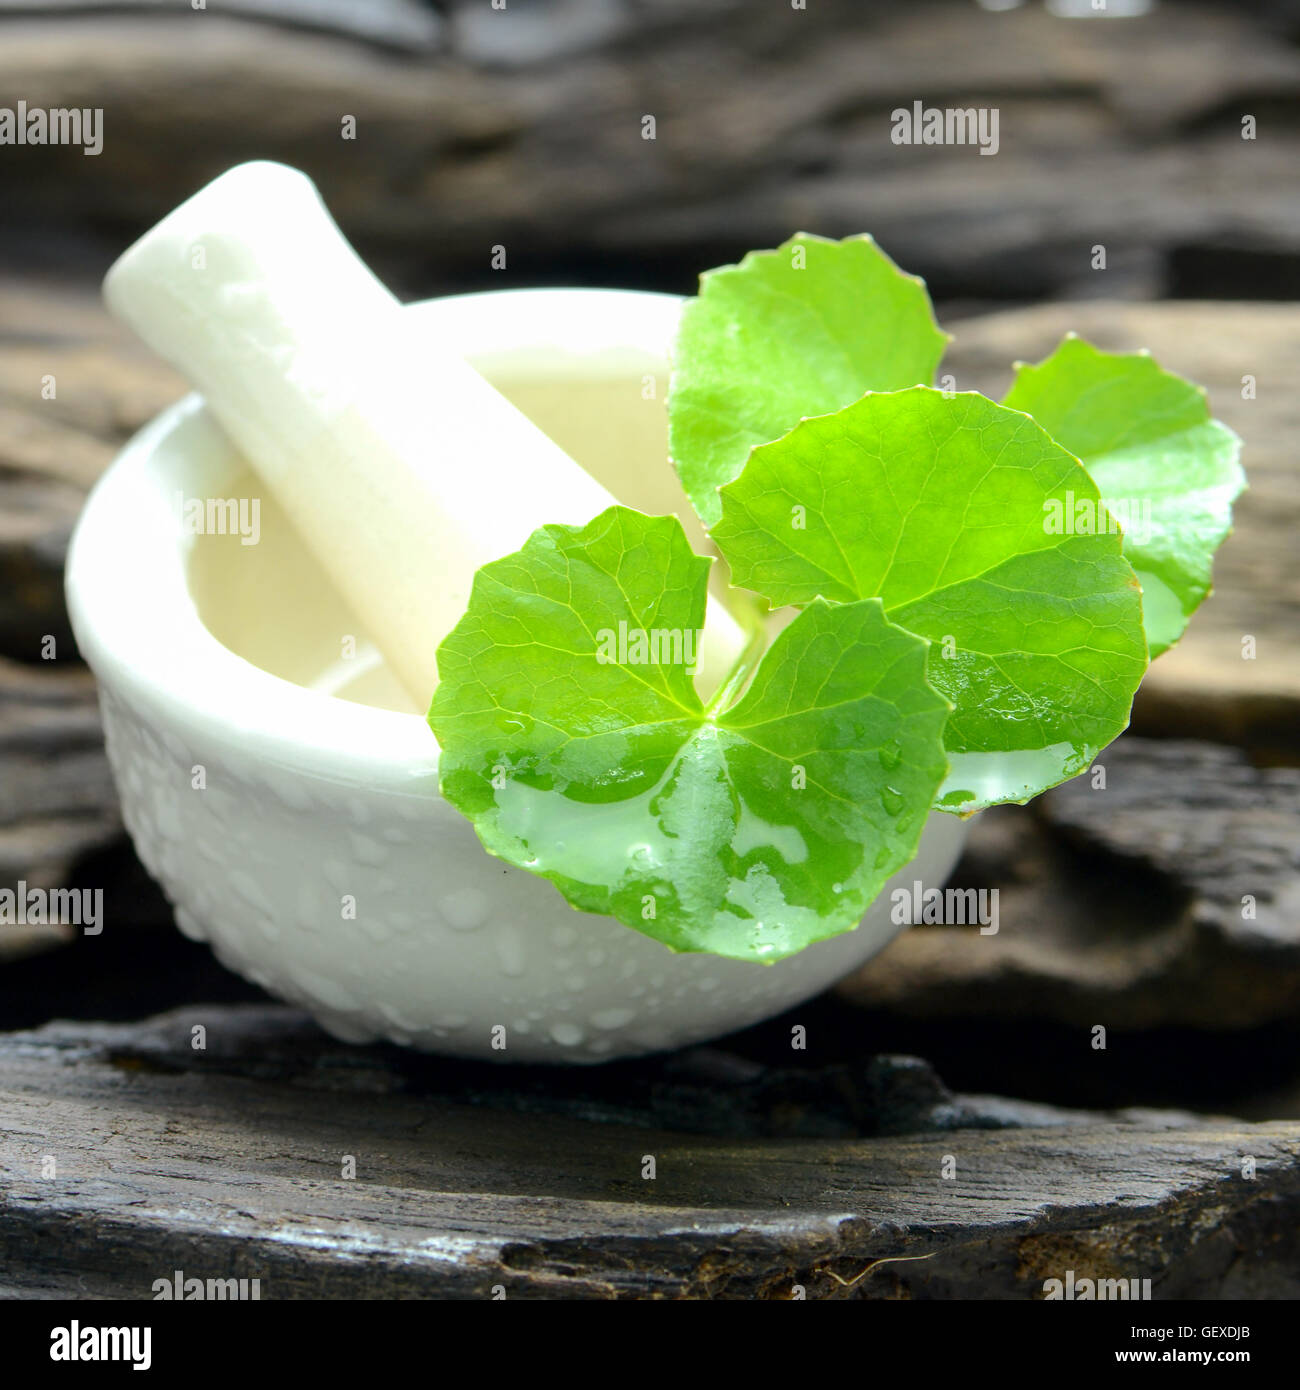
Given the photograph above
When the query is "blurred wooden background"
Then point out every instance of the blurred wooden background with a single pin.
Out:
(523, 127)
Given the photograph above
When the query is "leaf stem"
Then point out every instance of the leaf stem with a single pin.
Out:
(741, 671)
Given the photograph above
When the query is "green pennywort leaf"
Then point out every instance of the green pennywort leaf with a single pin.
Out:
(939, 505)
(573, 738)
(1167, 472)
(802, 330)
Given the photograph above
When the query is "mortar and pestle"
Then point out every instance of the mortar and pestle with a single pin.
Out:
(263, 688)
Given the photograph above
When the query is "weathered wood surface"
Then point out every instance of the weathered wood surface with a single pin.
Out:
(57, 801)
(408, 26)
(523, 127)
(73, 387)
(1170, 896)
(229, 1163)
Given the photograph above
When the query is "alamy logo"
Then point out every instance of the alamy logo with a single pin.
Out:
(54, 907)
(1096, 1290)
(179, 1288)
(949, 125)
(220, 516)
(635, 646)
(77, 1343)
(1085, 516)
(945, 907)
(59, 125)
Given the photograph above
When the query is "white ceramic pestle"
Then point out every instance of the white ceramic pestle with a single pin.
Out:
(400, 466)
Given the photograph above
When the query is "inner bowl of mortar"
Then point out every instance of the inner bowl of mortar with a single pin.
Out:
(282, 789)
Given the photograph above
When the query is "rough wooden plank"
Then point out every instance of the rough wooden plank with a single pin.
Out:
(57, 800)
(1225, 833)
(526, 130)
(1122, 906)
(159, 1165)
(73, 386)
(701, 1091)
(407, 26)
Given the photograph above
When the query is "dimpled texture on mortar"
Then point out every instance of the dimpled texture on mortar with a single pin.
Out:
(446, 943)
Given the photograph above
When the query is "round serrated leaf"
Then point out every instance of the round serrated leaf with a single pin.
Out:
(802, 330)
(943, 506)
(573, 739)
(1167, 472)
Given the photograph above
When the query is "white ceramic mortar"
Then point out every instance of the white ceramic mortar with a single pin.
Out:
(311, 800)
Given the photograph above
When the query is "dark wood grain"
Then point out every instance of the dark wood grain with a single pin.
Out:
(523, 127)
(165, 1161)
(1168, 897)
(57, 801)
